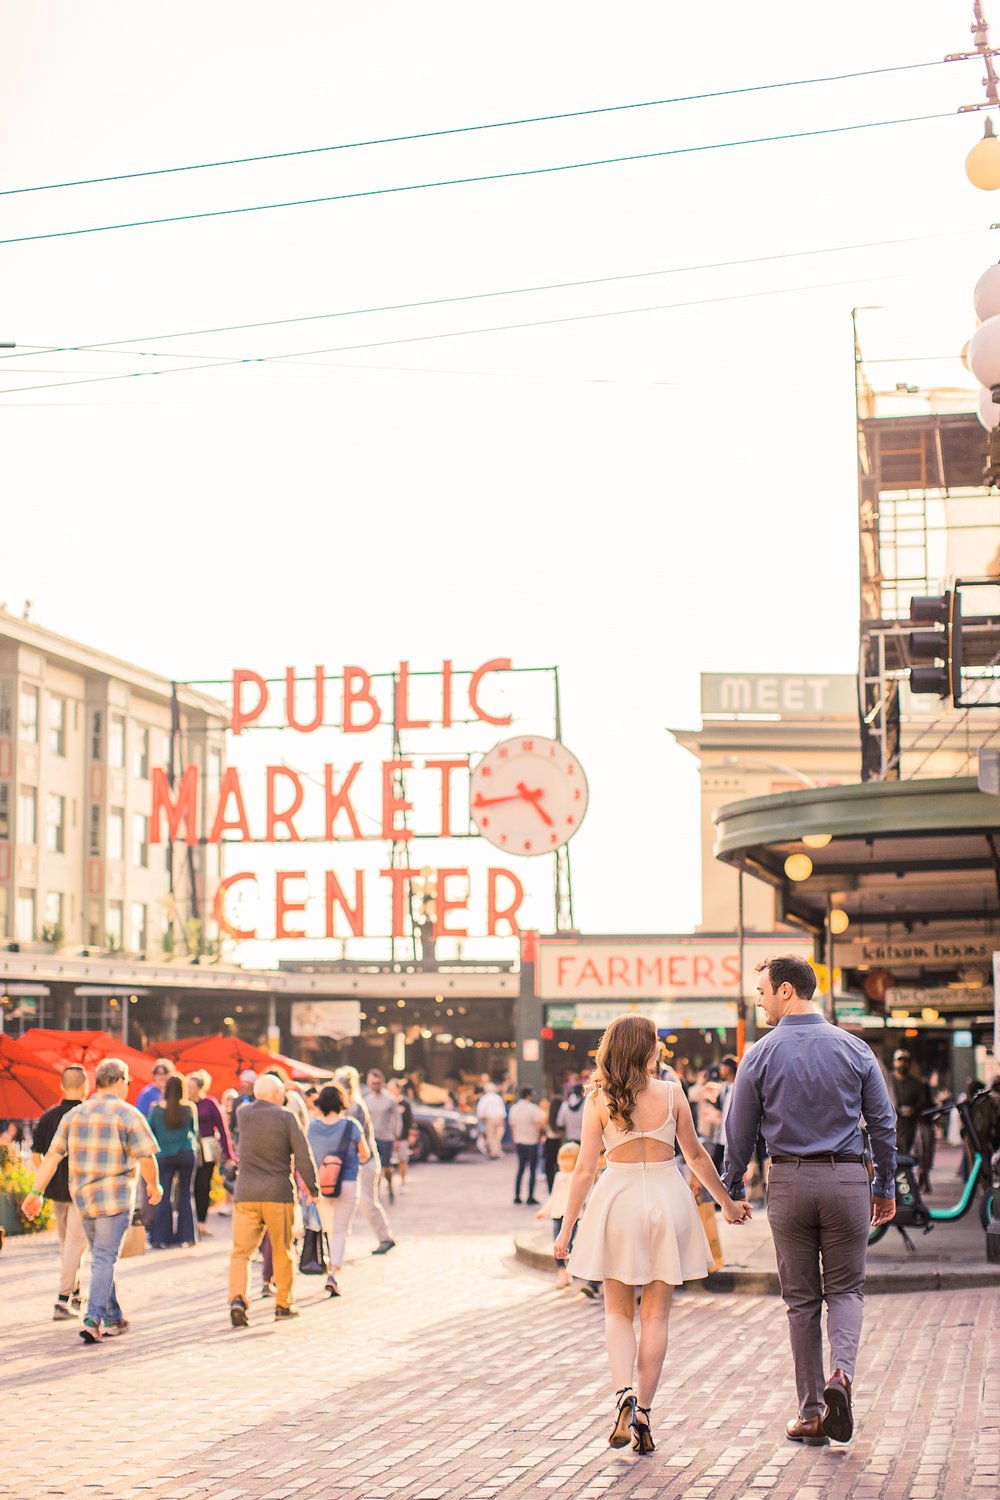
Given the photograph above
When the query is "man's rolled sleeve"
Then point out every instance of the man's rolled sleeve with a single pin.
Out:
(60, 1141)
(742, 1128)
(141, 1140)
(880, 1119)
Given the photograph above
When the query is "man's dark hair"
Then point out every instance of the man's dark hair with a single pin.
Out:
(331, 1100)
(729, 1061)
(787, 969)
(527, 1092)
(73, 1076)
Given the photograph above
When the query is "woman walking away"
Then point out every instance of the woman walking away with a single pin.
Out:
(641, 1228)
(339, 1146)
(214, 1144)
(175, 1126)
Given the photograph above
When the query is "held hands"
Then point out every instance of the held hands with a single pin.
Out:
(737, 1211)
(883, 1209)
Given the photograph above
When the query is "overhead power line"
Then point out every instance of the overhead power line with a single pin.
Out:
(427, 135)
(112, 346)
(422, 338)
(414, 187)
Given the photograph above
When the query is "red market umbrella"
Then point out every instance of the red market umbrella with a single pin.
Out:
(87, 1049)
(224, 1057)
(28, 1086)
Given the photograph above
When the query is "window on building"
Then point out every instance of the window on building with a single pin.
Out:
(116, 740)
(94, 836)
(138, 931)
(4, 812)
(116, 834)
(140, 841)
(96, 735)
(114, 924)
(27, 815)
(140, 754)
(6, 711)
(55, 906)
(28, 715)
(56, 726)
(55, 823)
(24, 916)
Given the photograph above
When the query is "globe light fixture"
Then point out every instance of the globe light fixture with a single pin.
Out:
(964, 356)
(816, 840)
(984, 352)
(798, 867)
(982, 165)
(839, 921)
(986, 297)
(987, 410)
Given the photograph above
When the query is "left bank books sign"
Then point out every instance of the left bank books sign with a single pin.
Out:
(654, 968)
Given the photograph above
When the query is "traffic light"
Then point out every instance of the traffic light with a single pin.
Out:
(941, 647)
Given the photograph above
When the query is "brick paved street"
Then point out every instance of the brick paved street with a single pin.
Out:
(449, 1370)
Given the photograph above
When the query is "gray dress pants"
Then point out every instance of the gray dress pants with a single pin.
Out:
(820, 1213)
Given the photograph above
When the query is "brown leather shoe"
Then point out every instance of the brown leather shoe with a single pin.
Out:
(838, 1418)
(808, 1430)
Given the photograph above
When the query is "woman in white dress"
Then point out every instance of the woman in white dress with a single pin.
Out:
(641, 1227)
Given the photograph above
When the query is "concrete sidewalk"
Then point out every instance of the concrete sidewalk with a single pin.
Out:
(951, 1257)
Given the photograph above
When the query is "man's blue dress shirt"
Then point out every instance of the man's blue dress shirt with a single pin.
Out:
(804, 1087)
(150, 1095)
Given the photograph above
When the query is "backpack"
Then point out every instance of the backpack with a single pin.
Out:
(330, 1168)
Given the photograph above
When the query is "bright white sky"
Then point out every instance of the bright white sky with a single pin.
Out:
(636, 498)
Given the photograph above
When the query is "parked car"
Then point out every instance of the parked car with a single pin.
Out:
(440, 1132)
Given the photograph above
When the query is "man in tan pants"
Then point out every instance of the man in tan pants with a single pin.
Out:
(69, 1225)
(272, 1149)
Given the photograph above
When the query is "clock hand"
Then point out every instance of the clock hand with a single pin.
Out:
(534, 799)
(481, 801)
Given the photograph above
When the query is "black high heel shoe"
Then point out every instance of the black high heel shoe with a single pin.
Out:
(642, 1437)
(624, 1419)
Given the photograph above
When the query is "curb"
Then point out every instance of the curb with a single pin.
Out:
(749, 1283)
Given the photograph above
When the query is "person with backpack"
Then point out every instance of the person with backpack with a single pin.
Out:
(339, 1147)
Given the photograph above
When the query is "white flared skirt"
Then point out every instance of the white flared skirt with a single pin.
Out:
(640, 1225)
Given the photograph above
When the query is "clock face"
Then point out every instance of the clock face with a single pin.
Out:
(528, 795)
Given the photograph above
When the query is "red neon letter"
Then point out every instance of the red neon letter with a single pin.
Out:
(283, 907)
(243, 934)
(337, 801)
(446, 671)
(277, 819)
(500, 664)
(230, 787)
(508, 914)
(392, 805)
(446, 767)
(403, 720)
(398, 877)
(241, 716)
(358, 689)
(181, 811)
(443, 906)
(317, 717)
(335, 897)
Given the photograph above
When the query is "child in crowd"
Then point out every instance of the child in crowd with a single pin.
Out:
(555, 1206)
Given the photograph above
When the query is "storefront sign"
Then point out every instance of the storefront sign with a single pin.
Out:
(653, 968)
(333, 1018)
(942, 951)
(908, 998)
(682, 1015)
(779, 694)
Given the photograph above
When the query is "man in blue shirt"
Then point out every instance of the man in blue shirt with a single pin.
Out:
(153, 1092)
(804, 1087)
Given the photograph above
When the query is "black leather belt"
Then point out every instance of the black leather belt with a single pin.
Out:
(822, 1156)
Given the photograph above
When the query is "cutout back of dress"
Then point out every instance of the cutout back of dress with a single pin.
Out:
(662, 1138)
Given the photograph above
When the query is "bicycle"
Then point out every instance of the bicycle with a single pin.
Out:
(984, 1174)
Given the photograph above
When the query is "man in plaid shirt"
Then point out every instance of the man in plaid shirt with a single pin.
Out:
(104, 1139)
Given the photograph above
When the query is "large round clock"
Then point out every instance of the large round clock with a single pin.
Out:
(528, 795)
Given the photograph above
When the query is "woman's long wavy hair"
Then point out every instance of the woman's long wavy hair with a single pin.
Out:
(622, 1070)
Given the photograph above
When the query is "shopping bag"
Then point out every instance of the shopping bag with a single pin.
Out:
(134, 1239)
(706, 1212)
(312, 1261)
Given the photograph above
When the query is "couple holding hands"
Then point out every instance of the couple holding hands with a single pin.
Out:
(804, 1086)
